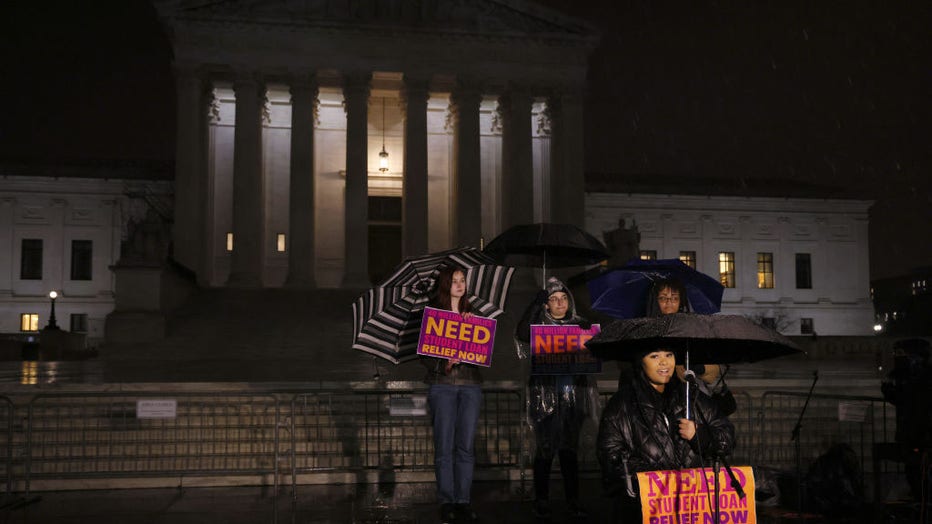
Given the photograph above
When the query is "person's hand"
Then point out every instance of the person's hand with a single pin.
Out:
(687, 428)
(466, 316)
(449, 367)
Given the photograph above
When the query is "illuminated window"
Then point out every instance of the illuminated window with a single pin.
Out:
(726, 268)
(804, 271)
(30, 261)
(82, 256)
(806, 327)
(30, 376)
(280, 243)
(229, 242)
(765, 270)
(648, 254)
(688, 258)
(920, 287)
(79, 322)
(29, 322)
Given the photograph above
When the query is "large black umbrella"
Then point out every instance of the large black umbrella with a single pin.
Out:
(387, 318)
(696, 339)
(546, 245)
(702, 339)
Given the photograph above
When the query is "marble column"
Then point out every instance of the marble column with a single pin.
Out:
(567, 180)
(248, 193)
(466, 208)
(189, 170)
(208, 248)
(356, 243)
(301, 185)
(517, 159)
(414, 210)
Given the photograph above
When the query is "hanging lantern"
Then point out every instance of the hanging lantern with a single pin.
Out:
(383, 156)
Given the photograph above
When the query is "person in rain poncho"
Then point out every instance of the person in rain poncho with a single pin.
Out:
(557, 405)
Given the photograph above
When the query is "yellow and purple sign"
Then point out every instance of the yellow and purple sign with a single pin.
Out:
(561, 350)
(687, 496)
(445, 334)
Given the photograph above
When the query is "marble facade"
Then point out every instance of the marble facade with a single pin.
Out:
(280, 126)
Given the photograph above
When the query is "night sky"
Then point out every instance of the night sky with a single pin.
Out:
(838, 93)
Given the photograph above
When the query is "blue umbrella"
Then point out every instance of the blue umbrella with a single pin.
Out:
(623, 292)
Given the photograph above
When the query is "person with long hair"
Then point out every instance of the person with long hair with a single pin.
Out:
(644, 428)
(454, 397)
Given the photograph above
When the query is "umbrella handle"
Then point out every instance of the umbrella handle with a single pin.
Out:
(688, 411)
(543, 283)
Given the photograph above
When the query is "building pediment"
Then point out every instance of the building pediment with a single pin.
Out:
(483, 18)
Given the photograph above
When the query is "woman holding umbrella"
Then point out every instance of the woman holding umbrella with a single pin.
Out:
(454, 397)
(644, 428)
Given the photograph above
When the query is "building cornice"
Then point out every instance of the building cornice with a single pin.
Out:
(734, 204)
(94, 169)
(491, 20)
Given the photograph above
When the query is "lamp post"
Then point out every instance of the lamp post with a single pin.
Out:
(52, 325)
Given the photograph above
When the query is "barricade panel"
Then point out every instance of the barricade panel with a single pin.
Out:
(113, 435)
(391, 429)
(859, 422)
(6, 441)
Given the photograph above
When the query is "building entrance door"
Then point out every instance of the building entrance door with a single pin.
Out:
(384, 236)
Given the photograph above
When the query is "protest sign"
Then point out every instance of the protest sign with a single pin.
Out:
(445, 334)
(561, 350)
(687, 496)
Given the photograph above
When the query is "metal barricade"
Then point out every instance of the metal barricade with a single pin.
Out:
(6, 440)
(112, 435)
(390, 429)
(745, 429)
(857, 421)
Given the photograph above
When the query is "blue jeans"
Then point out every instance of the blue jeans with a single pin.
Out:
(455, 414)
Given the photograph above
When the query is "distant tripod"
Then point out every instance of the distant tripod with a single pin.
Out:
(795, 439)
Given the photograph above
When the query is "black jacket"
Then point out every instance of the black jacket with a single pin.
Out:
(639, 431)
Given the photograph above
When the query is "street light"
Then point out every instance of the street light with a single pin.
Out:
(52, 325)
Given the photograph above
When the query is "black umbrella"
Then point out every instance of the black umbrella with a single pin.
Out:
(705, 339)
(546, 245)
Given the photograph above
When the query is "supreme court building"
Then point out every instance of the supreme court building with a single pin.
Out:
(320, 141)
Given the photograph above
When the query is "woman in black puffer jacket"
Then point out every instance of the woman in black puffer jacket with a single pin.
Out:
(644, 428)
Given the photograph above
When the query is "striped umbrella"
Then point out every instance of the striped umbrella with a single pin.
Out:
(387, 318)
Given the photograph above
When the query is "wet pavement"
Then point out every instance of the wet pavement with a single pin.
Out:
(494, 501)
